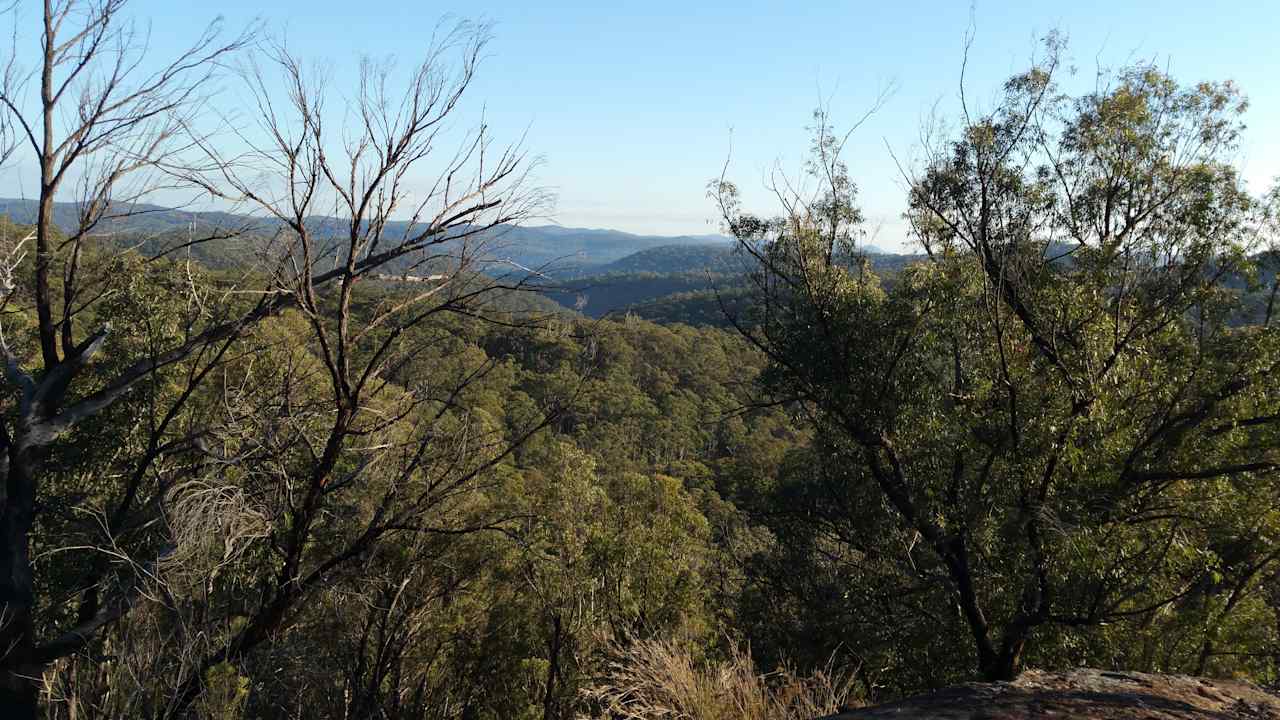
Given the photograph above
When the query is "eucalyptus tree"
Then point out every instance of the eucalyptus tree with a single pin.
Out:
(1061, 422)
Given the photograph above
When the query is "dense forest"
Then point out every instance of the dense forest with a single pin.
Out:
(338, 451)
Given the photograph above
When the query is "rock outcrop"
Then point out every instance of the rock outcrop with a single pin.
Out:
(1085, 693)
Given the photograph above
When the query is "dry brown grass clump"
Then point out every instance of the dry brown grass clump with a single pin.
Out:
(660, 680)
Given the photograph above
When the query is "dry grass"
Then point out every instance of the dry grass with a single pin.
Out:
(659, 680)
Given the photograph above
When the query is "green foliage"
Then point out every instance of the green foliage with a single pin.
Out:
(599, 528)
(225, 693)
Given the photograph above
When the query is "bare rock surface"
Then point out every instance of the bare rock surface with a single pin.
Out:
(1085, 693)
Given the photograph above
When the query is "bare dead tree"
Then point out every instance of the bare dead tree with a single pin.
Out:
(117, 130)
(101, 121)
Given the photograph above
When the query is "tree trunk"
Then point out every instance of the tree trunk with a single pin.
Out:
(553, 670)
(19, 676)
(1004, 665)
(19, 673)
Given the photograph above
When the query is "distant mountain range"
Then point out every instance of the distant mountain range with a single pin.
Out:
(683, 278)
(533, 247)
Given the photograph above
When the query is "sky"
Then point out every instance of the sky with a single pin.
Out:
(633, 107)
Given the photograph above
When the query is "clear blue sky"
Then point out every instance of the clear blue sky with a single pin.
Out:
(631, 104)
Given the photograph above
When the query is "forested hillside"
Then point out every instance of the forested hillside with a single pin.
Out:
(693, 285)
(618, 497)
(719, 259)
(601, 295)
(365, 458)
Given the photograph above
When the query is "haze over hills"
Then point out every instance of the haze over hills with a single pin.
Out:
(568, 250)
(692, 279)
(600, 271)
